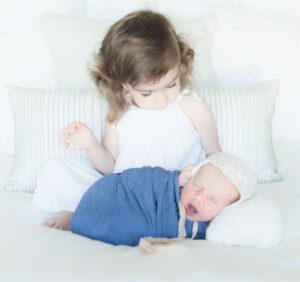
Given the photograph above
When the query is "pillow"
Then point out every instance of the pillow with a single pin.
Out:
(244, 122)
(179, 8)
(29, 66)
(255, 223)
(99, 9)
(74, 40)
(15, 9)
(39, 116)
(250, 47)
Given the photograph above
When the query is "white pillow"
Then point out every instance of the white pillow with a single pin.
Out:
(74, 40)
(250, 47)
(244, 121)
(100, 9)
(25, 60)
(255, 223)
(39, 117)
(17, 9)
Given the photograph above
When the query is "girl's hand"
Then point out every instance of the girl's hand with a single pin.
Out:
(78, 136)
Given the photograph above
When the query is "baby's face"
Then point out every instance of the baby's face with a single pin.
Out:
(156, 95)
(207, 193)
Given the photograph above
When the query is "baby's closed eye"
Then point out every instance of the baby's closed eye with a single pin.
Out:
(214, 200)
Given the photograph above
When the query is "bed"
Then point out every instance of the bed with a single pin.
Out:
(31, 252)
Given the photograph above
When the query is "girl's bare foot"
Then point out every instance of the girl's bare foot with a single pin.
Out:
(59, 221)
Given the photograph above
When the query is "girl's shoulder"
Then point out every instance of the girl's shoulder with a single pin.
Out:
(195, 108)
(191, 101)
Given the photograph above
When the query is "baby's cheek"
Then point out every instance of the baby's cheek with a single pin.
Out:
(184, 198)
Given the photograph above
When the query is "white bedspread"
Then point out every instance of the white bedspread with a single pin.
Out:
(31, 252)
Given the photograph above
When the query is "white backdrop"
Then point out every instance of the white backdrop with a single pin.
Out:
(16, 15)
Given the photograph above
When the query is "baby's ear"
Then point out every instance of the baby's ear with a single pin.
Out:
(185, 174)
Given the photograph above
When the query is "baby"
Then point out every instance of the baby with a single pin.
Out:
(122, 208)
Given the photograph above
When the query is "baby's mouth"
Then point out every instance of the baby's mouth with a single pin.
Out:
(191, 210)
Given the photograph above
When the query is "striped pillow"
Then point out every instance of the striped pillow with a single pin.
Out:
(244, 121)
(39, 116)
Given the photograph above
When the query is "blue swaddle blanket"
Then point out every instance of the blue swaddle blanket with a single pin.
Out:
(121, 208)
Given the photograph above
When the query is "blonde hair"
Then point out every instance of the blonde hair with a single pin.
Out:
(139, 48)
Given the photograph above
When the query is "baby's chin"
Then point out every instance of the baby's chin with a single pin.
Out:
(198, 217)
(195, 218)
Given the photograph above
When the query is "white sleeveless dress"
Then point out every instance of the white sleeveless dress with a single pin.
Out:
(164, 138)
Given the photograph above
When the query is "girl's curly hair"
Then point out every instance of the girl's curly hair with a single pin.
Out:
(139, 48)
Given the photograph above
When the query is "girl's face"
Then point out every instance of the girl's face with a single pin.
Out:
(158, 95)
(207, 193)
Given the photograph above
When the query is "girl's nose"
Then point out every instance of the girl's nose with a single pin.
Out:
(162, 100)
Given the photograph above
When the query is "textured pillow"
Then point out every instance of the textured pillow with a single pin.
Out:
(255, 223)
(99, 9)
(29, 66)
(74, 41)
(244, 121)
(14, 9)
(39, 116)
(250, 47)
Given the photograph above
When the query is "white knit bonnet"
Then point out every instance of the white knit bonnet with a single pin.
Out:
(236, 170)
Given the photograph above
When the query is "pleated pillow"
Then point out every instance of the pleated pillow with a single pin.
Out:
(244, 121)
(39, 117)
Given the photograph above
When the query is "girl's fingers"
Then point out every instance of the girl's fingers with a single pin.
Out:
(66, 145)
(64, 139)
(76, 124)
(67, 131)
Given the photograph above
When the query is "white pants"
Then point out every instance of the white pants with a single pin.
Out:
(62, 183)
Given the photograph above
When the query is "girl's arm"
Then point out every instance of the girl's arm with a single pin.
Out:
(203, 121)
(103, 157)
(79, 136)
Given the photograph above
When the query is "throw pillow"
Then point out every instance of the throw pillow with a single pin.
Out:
(74, 40)
(39, 116)
(244, 121)
(29, 66)
(255, 223)
(249, 47)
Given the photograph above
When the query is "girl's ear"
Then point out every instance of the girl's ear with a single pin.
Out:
(126, 86)
(185, 175)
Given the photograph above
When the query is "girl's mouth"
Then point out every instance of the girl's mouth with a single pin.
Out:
(191, 210)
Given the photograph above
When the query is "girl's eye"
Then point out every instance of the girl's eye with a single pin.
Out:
(172, 85)
(146, 94)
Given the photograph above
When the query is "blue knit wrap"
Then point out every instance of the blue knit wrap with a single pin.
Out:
(121, 208)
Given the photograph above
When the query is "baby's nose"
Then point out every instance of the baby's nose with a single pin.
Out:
(201, 197)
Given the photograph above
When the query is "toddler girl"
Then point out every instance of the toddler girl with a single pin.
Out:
(142, 69)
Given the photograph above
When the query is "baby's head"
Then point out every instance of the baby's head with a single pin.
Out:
(218, 182)
(142, 55)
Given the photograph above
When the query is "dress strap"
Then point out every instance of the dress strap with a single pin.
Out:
(186, 91)
(183, 92)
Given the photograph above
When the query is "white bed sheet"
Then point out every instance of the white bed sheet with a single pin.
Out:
(31, 252)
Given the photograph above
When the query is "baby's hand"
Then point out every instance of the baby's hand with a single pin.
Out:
(78, 136)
